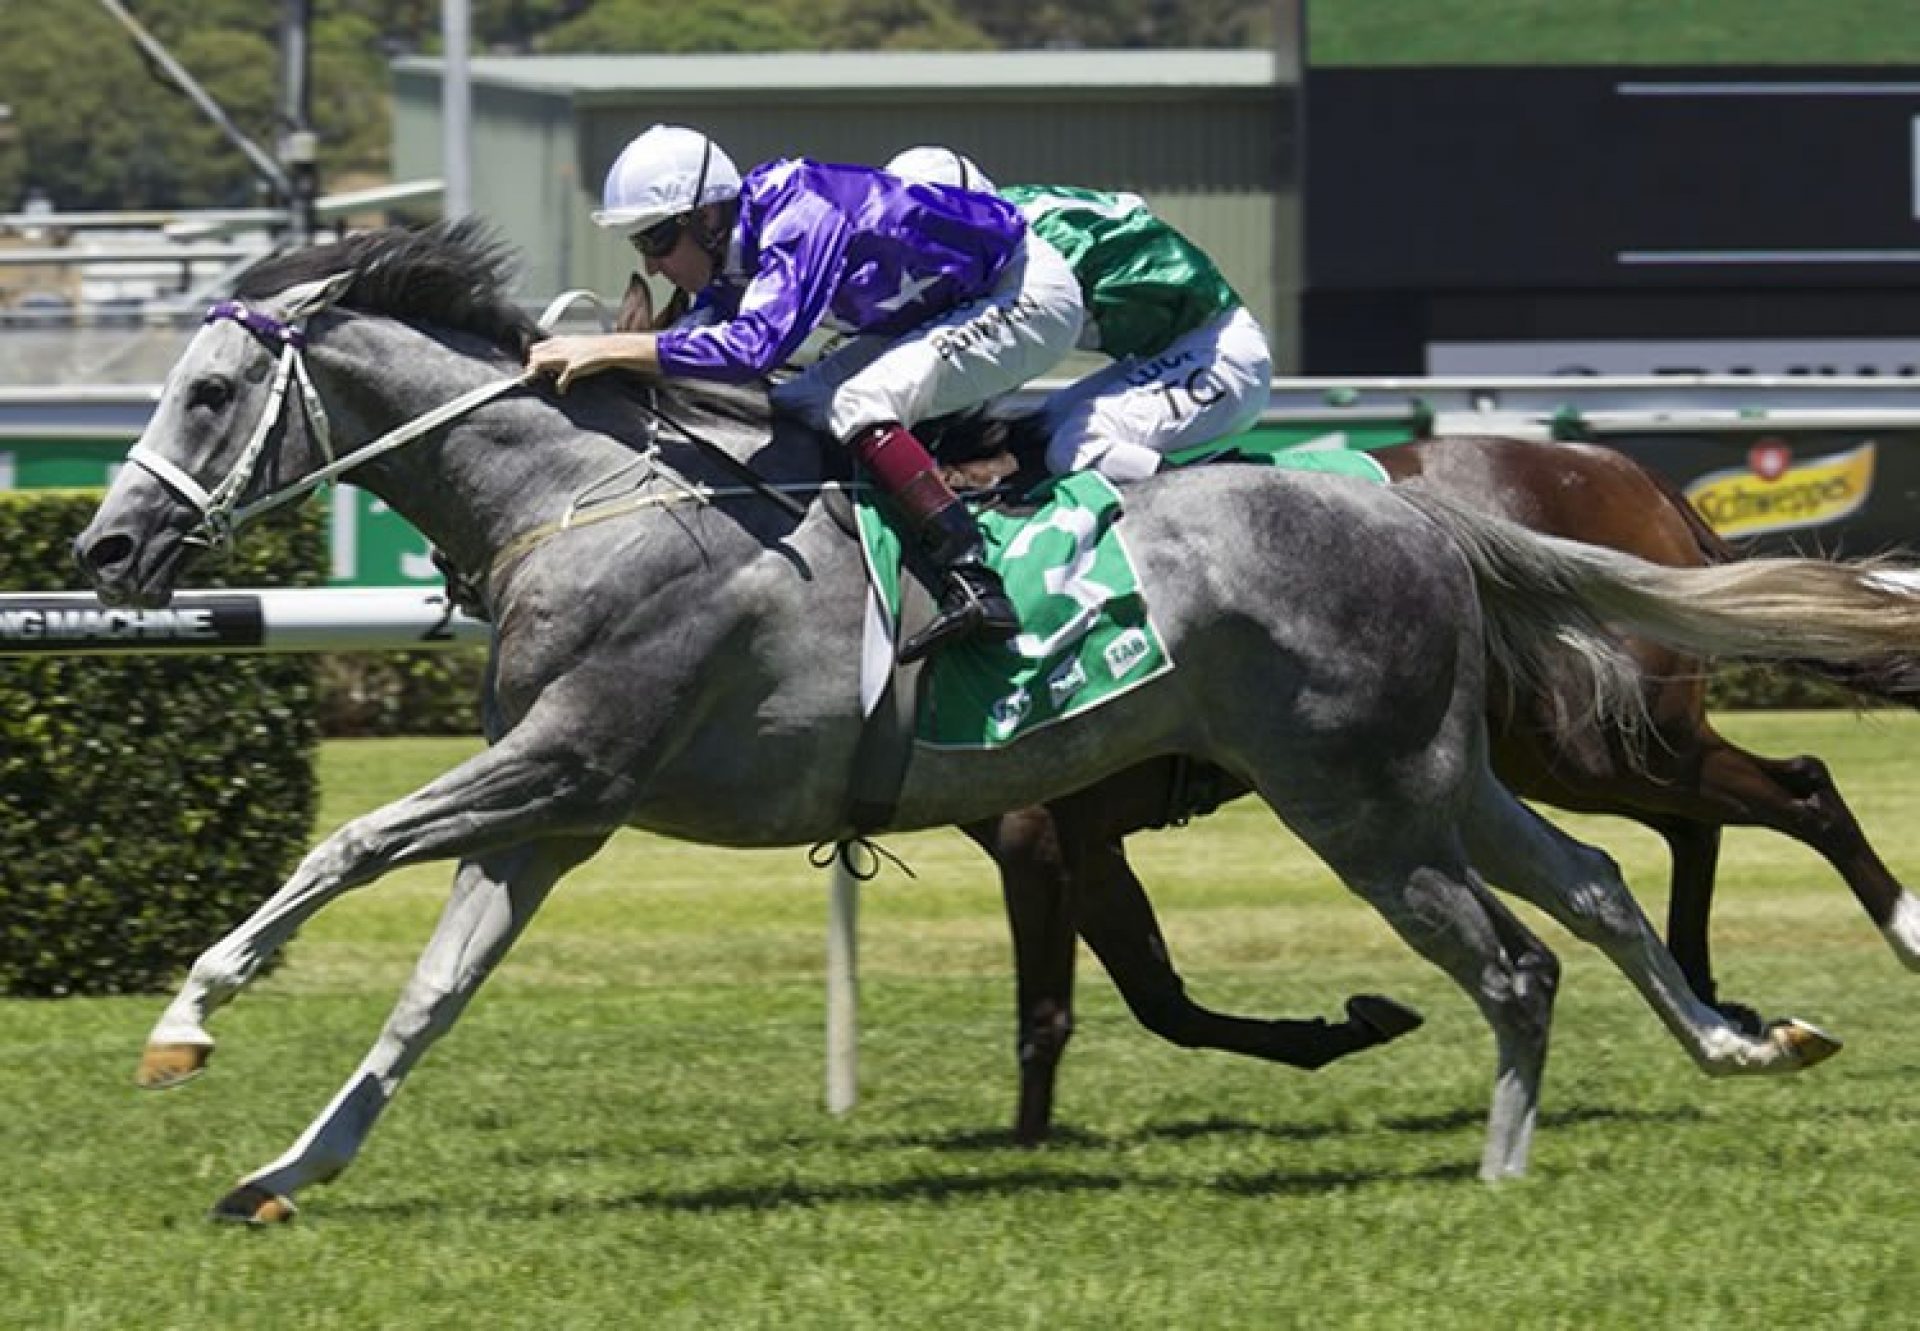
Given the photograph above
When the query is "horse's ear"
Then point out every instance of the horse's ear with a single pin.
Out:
(636, 307)
(312, 297)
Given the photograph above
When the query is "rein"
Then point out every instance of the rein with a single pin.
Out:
(222, 513)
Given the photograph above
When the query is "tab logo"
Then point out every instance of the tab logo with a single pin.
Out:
(1127, 651)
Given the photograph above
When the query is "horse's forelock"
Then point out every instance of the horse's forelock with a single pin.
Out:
(451, 274)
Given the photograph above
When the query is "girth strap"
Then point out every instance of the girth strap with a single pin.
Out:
(885, 748)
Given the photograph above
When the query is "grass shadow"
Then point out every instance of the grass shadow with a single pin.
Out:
(966, 1183)
(758, 1197)
(1454, 1120)
(937, 1189)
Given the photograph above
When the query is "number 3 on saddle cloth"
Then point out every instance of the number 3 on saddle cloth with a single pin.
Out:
(1087, 633)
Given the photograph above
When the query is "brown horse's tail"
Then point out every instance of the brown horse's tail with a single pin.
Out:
(1893, 677)
(1548, 602)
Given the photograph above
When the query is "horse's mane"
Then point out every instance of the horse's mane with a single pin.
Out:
(452, 274)
(456, 275)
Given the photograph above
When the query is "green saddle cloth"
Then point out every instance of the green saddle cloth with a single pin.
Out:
(1087, 636)
(1335, 458)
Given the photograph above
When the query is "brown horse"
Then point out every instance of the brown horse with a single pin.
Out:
(1064, 866)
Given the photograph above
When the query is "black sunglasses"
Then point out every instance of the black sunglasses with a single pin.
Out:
(658, 240)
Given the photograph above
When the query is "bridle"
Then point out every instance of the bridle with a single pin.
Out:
(222, 514)
(220, 509)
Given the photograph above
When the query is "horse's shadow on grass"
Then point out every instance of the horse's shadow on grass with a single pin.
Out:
(1452, 1120)
(938, 1189)
(946, 1187)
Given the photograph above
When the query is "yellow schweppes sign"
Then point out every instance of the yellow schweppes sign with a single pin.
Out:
(1749, 501)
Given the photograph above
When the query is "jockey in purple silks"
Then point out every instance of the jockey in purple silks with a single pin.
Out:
(943, 297)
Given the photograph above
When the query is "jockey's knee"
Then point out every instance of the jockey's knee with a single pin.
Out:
(1085, 437)
(1125, 462)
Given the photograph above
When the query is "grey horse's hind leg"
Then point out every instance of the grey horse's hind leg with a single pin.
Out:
(493, 899)
(1581, 887)
(1418, 879)
(516, 791)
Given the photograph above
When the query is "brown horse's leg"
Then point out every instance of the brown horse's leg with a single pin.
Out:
(1798, 797)
(1694, 846)
(1695, 849)
(1113, 914)
(1033, 883)
(1697, 783)
(1064, 867)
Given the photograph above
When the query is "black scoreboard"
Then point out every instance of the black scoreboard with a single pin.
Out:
(1611, 220)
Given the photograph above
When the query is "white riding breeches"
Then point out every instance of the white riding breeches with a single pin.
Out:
(967, 356)
(1209, 383)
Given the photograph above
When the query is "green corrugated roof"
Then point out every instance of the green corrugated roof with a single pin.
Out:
(596, 77)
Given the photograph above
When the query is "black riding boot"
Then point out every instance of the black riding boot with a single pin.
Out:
(973, 603)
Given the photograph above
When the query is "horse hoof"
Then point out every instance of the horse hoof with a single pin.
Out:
(1384, 1017)
(1804, 1043)
(251, 1204)
(167, 1065)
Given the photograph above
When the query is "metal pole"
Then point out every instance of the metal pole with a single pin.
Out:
(200, 97)
(1291, 62)
(843, 989)
(306, 619)
(299, 146)
(456, 110)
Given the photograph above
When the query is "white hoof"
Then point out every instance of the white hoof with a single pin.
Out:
(1902, 932)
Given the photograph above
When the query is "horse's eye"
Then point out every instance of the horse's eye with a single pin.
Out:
(210, 395)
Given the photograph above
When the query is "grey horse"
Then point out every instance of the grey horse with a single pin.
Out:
(674, 652)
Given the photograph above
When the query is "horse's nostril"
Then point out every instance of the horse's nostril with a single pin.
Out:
(104, 553)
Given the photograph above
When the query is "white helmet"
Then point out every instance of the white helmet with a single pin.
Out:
(930, 164)
(667, 171)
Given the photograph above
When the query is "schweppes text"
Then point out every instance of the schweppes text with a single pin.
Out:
(1736, 502)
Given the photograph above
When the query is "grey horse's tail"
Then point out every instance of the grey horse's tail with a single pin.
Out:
(1553, 604)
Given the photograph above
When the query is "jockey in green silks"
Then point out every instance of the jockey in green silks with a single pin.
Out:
(1191, 364)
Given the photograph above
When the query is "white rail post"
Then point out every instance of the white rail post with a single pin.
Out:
(843, 989)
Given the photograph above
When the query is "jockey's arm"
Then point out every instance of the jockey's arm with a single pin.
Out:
(576, 356)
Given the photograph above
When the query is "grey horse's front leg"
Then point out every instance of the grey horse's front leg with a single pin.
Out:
(519, 790)
(493, 899)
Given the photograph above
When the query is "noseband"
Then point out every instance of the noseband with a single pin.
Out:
(220, 510)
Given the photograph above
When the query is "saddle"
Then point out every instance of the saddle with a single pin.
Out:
(990, 461)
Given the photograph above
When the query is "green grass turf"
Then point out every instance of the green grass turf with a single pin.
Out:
(626, 1131)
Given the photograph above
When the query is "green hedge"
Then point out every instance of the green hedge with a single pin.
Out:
(401, 693)
(147, 804)
(1739, 687)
